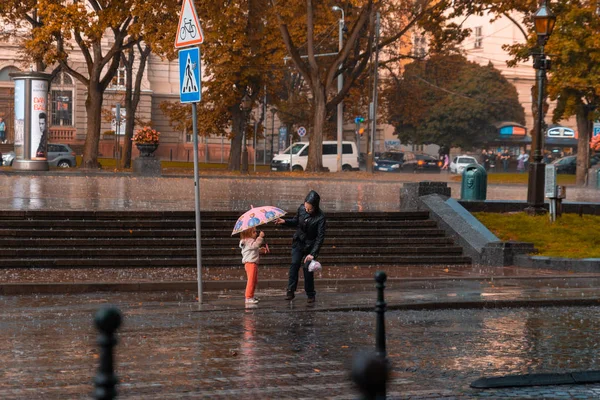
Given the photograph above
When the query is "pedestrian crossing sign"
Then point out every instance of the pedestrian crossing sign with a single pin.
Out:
(189, 75)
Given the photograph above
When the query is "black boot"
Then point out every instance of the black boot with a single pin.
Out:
(289, 295)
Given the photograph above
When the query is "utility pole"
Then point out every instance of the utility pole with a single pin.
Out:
(374, 110)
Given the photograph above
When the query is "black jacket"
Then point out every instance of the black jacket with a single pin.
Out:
(310, 231)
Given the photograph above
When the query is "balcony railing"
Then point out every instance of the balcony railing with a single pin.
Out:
(62, 134)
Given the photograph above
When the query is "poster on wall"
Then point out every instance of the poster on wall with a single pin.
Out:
(19, 117)
(39, 119)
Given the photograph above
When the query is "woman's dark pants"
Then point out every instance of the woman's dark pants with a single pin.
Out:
(309, 277)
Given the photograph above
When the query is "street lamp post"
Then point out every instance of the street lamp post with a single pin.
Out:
(544, 23)
(245, 106)
(340, 82)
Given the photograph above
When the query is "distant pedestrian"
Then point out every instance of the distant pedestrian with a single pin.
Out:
(2, 131)
(492, 157)
(521, 162)
(251, 244)
(505, 160)
(525, 161)
(485, 159)
(310, 234)
(446, 162)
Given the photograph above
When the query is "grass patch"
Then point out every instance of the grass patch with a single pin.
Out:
(516, 178)
(571, 236)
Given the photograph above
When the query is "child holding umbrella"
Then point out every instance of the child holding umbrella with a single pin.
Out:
(251, 245)
(252, 241)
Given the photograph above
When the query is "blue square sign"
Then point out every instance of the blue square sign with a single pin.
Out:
(189, 75)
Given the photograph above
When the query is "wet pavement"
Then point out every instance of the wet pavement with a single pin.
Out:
(446, 326)
(223, 193)
(172, 348)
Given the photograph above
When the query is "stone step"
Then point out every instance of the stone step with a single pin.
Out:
(190, 224)
(220, 252)
(228, 262)
(76, 242)
(208, 233)
(189, 215)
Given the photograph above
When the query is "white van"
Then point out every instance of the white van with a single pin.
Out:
(299, 157)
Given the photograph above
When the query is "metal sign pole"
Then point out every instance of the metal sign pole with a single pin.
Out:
(197, 202)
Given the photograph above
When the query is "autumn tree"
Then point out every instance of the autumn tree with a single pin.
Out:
(449, 100)
(96, 31)
(398, 19)
(240, 54)
(574, 80)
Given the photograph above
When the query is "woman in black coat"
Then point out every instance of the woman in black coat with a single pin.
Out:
(310, 233)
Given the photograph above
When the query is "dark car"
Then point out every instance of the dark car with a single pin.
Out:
(566, 165)
(422, 163)
(391, 161)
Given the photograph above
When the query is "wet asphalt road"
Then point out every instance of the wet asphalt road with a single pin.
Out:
(170, 350)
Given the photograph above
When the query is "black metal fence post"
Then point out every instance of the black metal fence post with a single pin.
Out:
(370, 370)
(380, 308)
(107, 321)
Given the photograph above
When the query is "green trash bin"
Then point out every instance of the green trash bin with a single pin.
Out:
(598, 178)
(474, 183)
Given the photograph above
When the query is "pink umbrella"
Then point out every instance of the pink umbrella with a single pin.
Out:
(257, 216)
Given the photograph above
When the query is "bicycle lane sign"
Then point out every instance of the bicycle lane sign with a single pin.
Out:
(189, 32)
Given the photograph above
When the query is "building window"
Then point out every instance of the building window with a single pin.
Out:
(478, 37)
(119, 80)
(61, 97)
(7, 70)
(419, 46)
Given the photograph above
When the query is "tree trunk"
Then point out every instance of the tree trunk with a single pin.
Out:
(584, 126)
(132, 97)
(129, 107)
(235, 151)
(93, 107)
(315, 150)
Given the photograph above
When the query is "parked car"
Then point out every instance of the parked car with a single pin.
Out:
(59, 155)
(299, 157)
(391, 161)
(8, 158)
(568, 164)
(422, 163)
(565, 165)
(458, 164)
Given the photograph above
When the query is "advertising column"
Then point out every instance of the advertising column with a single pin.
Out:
(31, 120)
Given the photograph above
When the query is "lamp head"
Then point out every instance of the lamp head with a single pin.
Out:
(336, 8)
(544, 23)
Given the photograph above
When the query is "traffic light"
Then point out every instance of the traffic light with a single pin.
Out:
(359, 129)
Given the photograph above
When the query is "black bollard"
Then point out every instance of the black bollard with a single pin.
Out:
(107, 320)
(370, 374)
(380, 308)
(370, 370)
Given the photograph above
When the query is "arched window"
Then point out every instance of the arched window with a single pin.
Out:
(7, 70)
(62, 99)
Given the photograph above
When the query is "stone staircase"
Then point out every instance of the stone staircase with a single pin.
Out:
(79, 239)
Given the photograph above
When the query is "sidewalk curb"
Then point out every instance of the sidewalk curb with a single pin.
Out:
(7, 289)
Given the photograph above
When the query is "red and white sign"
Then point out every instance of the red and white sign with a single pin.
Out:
(189, 32)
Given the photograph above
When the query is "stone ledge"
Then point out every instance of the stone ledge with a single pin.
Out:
(477, 241)
(504, 206)
(561, 264)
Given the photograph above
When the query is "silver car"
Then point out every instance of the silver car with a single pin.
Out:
(59, 155)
